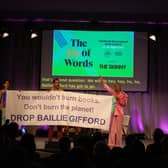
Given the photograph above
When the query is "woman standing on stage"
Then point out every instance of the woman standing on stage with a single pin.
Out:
(115, 132)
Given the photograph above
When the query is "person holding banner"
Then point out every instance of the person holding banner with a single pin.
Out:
(115, 132)
(6, 86)
(56, 87)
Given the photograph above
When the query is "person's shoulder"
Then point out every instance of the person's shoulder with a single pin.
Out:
(124, 93)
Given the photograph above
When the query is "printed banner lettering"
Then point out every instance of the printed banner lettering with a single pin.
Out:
(59, 108)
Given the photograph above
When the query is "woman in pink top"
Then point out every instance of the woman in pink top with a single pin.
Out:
(115, 132)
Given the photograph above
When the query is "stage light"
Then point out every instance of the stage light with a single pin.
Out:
(5, 34)
(34, 35)
(152, 37)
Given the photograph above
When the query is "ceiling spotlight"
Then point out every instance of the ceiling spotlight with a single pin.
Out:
(5, 34)
(34, 35)
(152, 37)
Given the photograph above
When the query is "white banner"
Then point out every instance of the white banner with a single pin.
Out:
(59, 108)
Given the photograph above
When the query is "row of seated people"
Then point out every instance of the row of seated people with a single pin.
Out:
(88, 151)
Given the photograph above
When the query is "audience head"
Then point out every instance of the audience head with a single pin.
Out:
(28, 142)
(130, 139)
(13, 130)
(78, 158)
(97, 136)
(64, 144)
(85, 142)
(7, 122)
(116, 153)
(158, 135)
(101, 154)
(134, 147)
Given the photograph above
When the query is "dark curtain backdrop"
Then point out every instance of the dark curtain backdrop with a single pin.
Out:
(20, 59)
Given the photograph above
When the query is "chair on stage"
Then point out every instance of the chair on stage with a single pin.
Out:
(126, 121)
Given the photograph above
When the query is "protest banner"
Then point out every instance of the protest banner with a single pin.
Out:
(59, 108)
